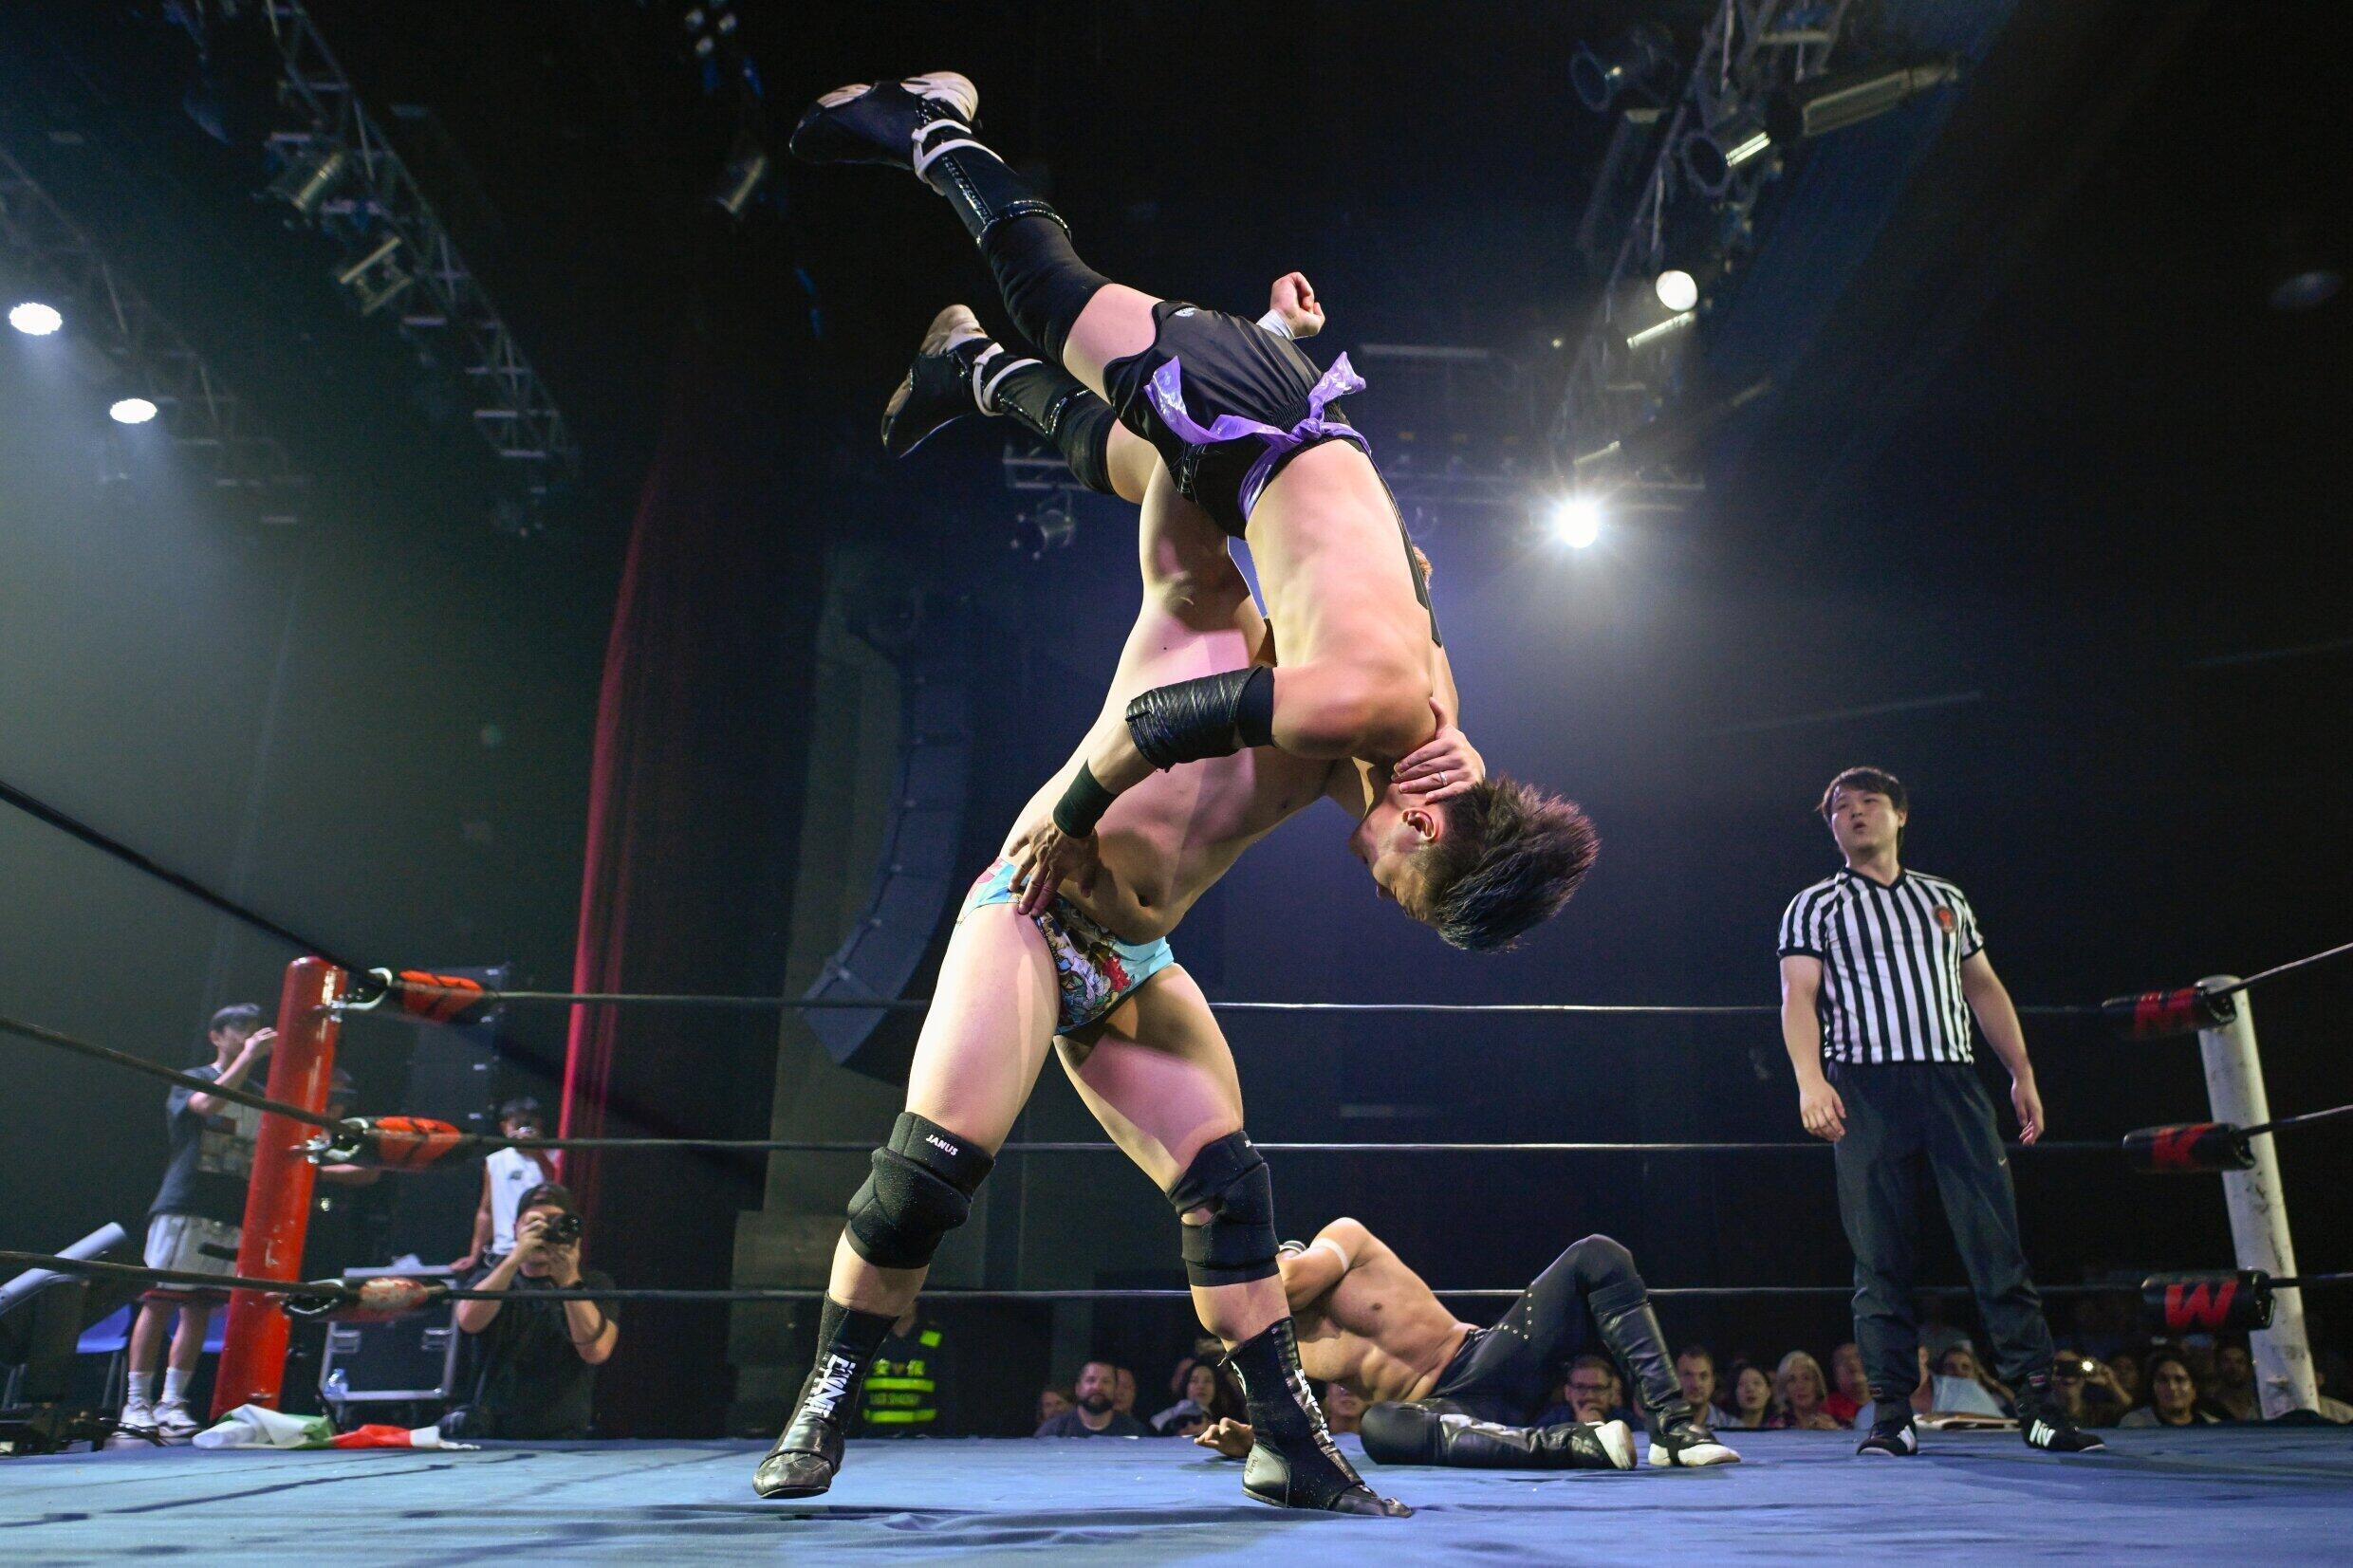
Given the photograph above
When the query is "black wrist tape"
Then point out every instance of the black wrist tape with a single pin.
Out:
(1082, 804)
(1213, 716)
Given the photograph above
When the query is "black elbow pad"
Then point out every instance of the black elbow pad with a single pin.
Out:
(1211, 716)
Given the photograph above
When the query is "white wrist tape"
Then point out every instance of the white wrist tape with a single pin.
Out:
(1338, 1251)
(1273, 321)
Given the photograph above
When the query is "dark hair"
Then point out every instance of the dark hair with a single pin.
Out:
(237, 1015)
(1877, 780)
(1510, 857)
(520, 1105)
(545, 1195)
(1696, 1352)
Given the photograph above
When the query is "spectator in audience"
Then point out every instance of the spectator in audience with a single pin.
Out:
(1799, 1389)
(1751, 1405)
(2088, 1389)
(196, 1221)
(1850, 1385)
(2124, 1366)
(1342, 1411)
(1205, 1395)
(1592, 1393)
(1694, 1368)
(507, 1174)
(1095, 1414)
(2234, 1392)
(1207, 1348)
(540, 1358)
(2174, 1396)
(1124, 1391)
(1961, 1361)
(1051, 1403)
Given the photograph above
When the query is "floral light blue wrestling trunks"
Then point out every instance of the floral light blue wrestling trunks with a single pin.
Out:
(1095, 970)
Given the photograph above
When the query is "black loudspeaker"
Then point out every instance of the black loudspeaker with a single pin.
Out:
(451, 1077)
(904, 925)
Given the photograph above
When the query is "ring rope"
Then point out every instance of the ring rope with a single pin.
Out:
(156, 1069)
(2289, 968)
(801, 1145)
(41, 810)
(345, 1290)
(2297, 1121)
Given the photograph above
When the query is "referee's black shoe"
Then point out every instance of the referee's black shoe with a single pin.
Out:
(2045, 1423)
(1892, 1437)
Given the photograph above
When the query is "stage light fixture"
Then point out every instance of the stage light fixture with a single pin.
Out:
(1636, 60)
(131, 411)
(377, 277)
(747, 170)
(311, 178)
(1831, 103)
(35, 320)
(1577, 521)
(1659, 331)
(1710, 158)
(1677, 289)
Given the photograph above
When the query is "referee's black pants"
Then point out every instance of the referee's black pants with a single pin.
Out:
(1901, 1117)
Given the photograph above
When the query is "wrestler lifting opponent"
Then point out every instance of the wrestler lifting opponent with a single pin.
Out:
(1244, 426)
(1443, 1393)
(1092, 975)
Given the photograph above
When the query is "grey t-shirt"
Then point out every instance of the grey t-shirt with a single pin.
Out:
(211, 1156)
(1068, 1425)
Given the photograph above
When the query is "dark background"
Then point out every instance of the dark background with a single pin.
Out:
(2047, 511)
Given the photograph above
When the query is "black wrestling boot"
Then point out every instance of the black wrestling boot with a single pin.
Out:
(2046, 1423)
(1438, 1432)
(809, 1455)
(1293, 1462)
(1679, 1435)
(880, 123)
(938, 389)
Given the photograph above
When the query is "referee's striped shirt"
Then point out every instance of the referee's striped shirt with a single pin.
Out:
(1891, 966)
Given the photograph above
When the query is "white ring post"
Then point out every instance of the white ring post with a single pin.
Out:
(2259, 1207)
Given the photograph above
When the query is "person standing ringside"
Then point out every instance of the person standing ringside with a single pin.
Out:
(1881, 971)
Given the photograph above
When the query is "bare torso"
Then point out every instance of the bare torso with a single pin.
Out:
(1165, 841)
(1378, 1332)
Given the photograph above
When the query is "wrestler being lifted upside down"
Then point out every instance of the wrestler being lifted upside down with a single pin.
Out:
(1089, 975)
(1440, 1391)
(1245, 429)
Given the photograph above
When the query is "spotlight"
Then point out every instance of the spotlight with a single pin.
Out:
(131, 411)
(1710, 158)
(35, 320)
(311, 178)
(1636, 61)
(1677, 289)
(1577, 521)
(2303, 290)
(1660, 331)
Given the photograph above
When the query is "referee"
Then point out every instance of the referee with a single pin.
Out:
(1881, 970)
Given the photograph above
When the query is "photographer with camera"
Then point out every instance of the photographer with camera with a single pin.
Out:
(539, 1359)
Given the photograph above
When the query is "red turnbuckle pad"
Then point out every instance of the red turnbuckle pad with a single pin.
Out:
(2187, 1149)
(2166, 1015)
(2213, 1302)
(442, 998)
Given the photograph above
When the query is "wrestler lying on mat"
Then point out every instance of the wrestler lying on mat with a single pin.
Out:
(1439, 1392)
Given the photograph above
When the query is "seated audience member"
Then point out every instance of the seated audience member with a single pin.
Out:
(1123, 1392)
(2174, 1396)
(1694, 1368)
(1205, 1395)
(2124, 1366)
(1960, 1361)
(1207, 1348)
(540, 1358)
(1592, 1393)
(1799, 1389)
(907, 1386)
(1751, 1404)
(1850, 1385)
(1342, 1411)
(1095, 1413)
(1051, 1403)
(2087, 1390)
(2234, 1392)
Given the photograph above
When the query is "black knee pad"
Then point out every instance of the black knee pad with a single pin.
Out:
(1039, 273)
(1238, 1243)
(921, 1188)
(1401, 1434)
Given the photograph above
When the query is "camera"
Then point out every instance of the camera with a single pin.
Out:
(563, 1230)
